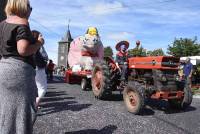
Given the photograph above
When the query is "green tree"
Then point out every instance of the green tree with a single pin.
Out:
(137, 51)
(108, 51)
(184, 47)
(156, 52)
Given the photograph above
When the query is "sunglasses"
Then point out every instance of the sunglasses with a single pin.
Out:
(29, 6)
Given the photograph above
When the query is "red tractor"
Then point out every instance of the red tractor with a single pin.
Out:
(147, 77)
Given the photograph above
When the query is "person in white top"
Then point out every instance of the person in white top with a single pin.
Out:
(41, 59)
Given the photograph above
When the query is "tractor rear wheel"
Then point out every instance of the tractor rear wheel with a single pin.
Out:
(134, 98)
(101, 80)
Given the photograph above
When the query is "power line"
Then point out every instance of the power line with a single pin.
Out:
(48, 30)
(44, 27)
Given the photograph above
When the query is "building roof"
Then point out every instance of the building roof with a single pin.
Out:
(67, 37)
(195, 60)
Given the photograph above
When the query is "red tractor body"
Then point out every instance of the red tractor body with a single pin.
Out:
(162, 63)
(157, 62)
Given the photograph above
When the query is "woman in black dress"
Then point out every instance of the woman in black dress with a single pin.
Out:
(17, 75)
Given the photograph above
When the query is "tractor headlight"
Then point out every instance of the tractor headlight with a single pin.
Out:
(163, 78)
(177, 78)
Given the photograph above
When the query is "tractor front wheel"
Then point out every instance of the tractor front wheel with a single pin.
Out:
(134, 98)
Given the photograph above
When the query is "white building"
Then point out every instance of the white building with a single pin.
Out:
(195, 60)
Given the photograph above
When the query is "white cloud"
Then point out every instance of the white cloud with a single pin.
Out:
(120, 36)
(168, 15)
(105, 8)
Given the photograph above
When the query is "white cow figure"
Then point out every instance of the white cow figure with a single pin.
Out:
(85, 51)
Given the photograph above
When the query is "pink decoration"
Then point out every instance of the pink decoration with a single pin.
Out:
(74, 55)
(91, 46)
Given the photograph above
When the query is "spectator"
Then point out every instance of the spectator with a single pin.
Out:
(63, 71)
(180, 70)
(17, 74)
(50, 69)
(187, 71)
(41, 59)
(195, 75)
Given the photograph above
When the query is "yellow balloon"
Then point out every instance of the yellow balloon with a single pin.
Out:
(92, 31)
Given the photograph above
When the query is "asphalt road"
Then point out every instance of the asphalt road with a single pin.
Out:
(68, 110)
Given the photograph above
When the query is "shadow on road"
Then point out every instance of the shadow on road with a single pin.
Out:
(55, 93)
(56, 79)
(163, 105)
(147, 112)
(173, 111)
(54, 107)
(106, 130)
(53, 82)
(114, 97)
(57, 101)
(49, 88)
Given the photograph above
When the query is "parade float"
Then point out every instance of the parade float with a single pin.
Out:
(85, 51)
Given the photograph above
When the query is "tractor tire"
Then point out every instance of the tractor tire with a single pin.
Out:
(187, 100)
(182, 103)
(134, 97)
(101, 80)
(84, 84)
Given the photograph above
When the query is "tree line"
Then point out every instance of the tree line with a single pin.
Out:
(180, 47)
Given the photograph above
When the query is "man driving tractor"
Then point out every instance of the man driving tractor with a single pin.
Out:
(122, 58)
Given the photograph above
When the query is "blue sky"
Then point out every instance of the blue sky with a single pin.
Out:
(154, 22)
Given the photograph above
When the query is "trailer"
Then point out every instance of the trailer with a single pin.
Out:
(82, 77)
